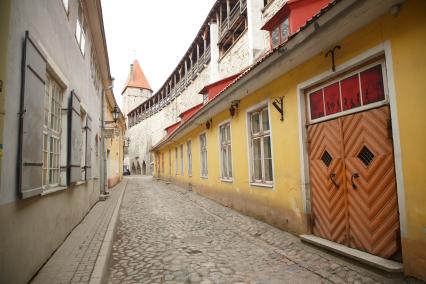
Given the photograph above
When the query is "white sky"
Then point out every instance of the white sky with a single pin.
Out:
(159, 32)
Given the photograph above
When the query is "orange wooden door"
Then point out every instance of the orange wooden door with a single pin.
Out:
(326, 177)
(370, 182)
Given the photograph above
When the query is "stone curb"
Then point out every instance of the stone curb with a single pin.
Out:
(100, 270)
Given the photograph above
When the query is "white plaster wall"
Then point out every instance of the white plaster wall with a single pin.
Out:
(150, 131)
(29, 231)
(236, 58)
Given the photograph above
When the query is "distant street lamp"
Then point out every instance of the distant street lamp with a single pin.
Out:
(115, 115)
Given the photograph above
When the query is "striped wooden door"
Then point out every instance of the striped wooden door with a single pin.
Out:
(326, 175)
(370, 182)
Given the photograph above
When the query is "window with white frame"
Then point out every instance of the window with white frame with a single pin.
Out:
(176, 161)
(260, 144)
(189, 154)
(170, 162)
(52, 133)
(181, 160)
(203, 154)
(225, 151)
(80, 30)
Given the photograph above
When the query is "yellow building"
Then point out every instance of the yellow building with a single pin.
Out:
(114, 131)
(346, 161)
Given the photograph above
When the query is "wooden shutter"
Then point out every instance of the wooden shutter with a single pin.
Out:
(74, 139)
(88, 162)
(30, 156)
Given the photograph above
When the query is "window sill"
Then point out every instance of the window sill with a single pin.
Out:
(227, 180)
(204, 177)
(80, 182)
(264, 185)
(53, 190)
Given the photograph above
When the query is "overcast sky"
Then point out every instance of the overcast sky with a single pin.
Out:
(159, 32)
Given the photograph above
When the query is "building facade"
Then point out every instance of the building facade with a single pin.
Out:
(322, 135)
(54, 72)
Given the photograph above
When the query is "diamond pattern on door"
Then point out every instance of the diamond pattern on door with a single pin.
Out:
(354, 199)
(328, 203)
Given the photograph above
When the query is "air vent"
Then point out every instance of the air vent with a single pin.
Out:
(365, 156)
(326, 158)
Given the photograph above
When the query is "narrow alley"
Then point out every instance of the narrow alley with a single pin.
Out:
(166, 234)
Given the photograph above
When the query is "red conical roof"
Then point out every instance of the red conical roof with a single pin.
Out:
(136, 78)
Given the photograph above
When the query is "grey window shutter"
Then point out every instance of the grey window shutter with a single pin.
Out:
(88, 162)
(74, 139)
(30, 156)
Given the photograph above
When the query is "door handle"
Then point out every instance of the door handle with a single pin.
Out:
(355, 175)
(333, 180)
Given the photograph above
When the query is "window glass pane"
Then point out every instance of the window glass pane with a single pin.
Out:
(284, 30)
(316, 103)
(228, 132)
(265, 120)
(83, 42)
(268, 169)
(350, 92)
(255, 123)
(224, 162)
(267, 153)
(257, 162)
(229, 162)
(332, 98)
(372, 85)
(275, 37)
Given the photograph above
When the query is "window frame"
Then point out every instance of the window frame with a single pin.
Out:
(228, 145)
(49, 132)
(253, 182)
(203, 174)
(280, 39)
(176, 161)
(337, 79)
(181, 160)
(81, 27)
(189, 156)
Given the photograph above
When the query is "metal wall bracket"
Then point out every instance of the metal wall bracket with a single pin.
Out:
(279, 105)
(332, 51)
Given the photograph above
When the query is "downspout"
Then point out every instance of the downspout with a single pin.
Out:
(103, 161)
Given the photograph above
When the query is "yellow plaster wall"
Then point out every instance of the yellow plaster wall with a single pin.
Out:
(115, 146)
(282, 205)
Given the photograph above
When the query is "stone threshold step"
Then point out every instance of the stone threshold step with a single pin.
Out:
(369, 259)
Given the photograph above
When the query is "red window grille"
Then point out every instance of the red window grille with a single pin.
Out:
(363, 88)
(316, 102)
(372, 85)
(332, 99)
(350, 92)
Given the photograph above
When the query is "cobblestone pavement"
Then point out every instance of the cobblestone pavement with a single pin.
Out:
(169, 235)
(75, 259)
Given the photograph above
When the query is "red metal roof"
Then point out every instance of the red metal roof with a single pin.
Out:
(213, 89)
(298, 11)
(136, 78)
(187, 114)
(171, 128)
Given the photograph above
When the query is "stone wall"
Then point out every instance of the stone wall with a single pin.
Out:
(236, 58)
(150, 131)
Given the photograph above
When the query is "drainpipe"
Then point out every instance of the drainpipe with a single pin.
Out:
(104, 186)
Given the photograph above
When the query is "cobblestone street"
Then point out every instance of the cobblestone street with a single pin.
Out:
(166, 234)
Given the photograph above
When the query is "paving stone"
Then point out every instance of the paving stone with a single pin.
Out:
(168, 234)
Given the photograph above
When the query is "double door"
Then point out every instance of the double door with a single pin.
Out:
(353, 185)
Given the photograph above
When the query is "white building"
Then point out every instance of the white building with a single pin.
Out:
(55, 69)
(230, 40)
